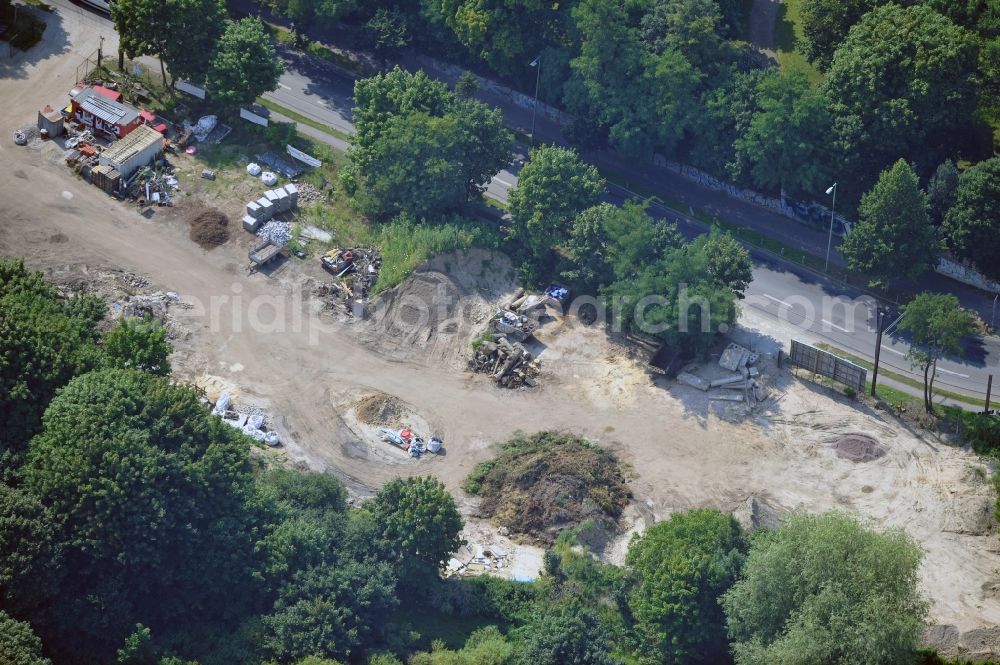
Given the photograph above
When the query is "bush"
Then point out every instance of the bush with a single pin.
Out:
(280, 134)
(983, 432)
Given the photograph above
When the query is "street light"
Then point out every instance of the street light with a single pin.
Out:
(537, 64)
(832, 189)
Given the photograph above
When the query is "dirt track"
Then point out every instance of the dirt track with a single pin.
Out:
(309, 369)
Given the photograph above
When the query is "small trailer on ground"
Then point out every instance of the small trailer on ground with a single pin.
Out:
(262, 254)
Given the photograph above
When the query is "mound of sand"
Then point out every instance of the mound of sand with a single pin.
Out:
(379, 409)
(209, 228)
(858, 448)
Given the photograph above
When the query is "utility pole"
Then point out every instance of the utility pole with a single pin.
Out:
(100, 51)
(989, 389)
(832, 189)
(537, 64)
(878, 350)
(993, 317)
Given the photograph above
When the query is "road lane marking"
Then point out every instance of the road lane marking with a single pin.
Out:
(503, 182)
(948, 371)
(898, 353)
(282, 85)
(780, 302)
(831, 323)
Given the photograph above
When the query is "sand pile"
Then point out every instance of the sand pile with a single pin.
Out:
(858, 448)
(209, 228)
(379, 409)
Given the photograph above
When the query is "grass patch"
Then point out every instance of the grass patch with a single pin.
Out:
(891, 394)
(40, 5)
(495, 203)
(299, 118)
(788, 35)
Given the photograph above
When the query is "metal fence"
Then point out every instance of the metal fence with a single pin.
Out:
(826, 364)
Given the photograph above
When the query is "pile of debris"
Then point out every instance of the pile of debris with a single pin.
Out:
(509, 363)
(309, 194)
(356, 267)
(405, 439)
(209, 228)
(249, 420)
(476, 558)
(744, 384)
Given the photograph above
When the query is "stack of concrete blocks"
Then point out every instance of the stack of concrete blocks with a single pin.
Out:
(283, 202)
(293, 195)
(253, 219)
(274, 201)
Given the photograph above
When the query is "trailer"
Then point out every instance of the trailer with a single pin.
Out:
(262, 254)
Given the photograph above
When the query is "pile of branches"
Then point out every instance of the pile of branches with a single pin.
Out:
(550, 481)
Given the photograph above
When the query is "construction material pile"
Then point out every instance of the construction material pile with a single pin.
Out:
(357, 268)
(509, 363)
(858, 448)
(550, 481)
(209, 228)
(309, 194)
(276, 232)
(744, 384)
(249, 420)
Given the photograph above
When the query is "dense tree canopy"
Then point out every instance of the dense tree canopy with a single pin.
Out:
(825, 24)
(893, 236)
(420, 149)
(18, 643)
(44, 341)
(785, 145)
(824, 590)
(902, 85)
(972, 223)
(678, 569)
(143, 479)
(419, 522)
(941, 190)
(244, 65)
(554, 186)
(138, 344)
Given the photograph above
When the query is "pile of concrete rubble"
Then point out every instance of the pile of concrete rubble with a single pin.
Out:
(476, 558)
(249, 420)
(509, 363)
(744, 384)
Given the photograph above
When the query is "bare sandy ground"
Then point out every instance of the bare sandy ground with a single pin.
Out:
(266, 335)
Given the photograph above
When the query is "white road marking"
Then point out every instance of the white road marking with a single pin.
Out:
(503, 182)
(282, 85)
(948, 371)
(831, 323)
(780, 302)
(898, 353)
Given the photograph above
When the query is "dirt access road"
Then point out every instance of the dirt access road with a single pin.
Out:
(307, 369)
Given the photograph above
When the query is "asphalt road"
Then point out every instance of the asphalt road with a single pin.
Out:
(787, 294)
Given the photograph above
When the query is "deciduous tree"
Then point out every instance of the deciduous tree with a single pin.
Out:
(893, 236)
(941, 190)
(825, 24)
(139, 344)
(937, 323)
(244, 65)
(18, 643)
(972, 224)
(678, 570)
(824, 590)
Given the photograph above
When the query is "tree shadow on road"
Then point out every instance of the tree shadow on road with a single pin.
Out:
(15, 63)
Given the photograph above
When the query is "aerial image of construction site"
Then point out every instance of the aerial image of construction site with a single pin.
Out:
(348, 337)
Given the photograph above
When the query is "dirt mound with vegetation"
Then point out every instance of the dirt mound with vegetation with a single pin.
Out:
(545, 483)
(858, 448)
(209, 228)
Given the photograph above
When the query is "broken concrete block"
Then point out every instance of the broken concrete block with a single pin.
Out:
(727, 397)
(727, 380)
(693, 381)
(733, 357)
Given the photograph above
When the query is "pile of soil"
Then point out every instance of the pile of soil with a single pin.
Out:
(209, 228)
(379, 409)
(542, 484)
(858, 448)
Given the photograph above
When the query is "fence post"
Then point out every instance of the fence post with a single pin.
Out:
(878, 350)
(989, 389)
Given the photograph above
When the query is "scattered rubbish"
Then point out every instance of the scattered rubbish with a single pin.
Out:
(405, 439)
(203, 127)
(277, 163)
(20, 137)
(357, 268)
(249, 420)
(207, 174)
(315, 233)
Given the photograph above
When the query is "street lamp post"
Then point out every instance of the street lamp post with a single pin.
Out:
(537, 64)
(832, 189)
